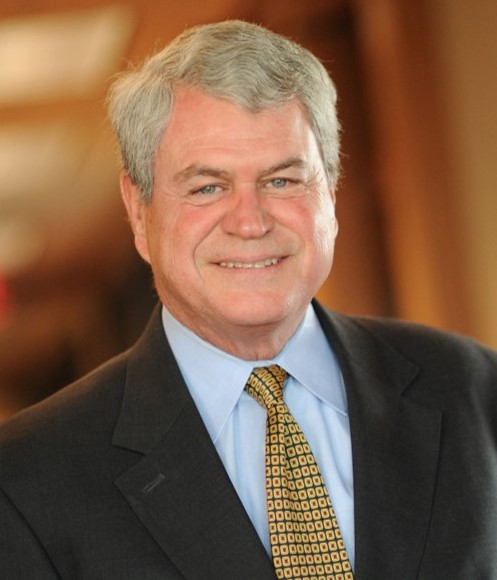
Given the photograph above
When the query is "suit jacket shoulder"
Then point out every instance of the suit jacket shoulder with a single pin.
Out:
(116, 477)
(448, 361)
(423, 419)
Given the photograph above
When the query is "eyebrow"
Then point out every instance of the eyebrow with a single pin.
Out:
(286, 164)
(196, 170)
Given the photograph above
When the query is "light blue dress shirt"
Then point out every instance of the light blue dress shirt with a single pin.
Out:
(314, 393)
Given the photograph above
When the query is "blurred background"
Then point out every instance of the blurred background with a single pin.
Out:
(417, 204)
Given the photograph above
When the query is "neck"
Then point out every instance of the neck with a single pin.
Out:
(251, 343)
(261, 342)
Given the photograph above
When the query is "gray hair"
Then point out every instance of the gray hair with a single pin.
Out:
(239, 61)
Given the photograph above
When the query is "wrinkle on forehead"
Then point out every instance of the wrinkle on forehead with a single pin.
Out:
(213, 137)
(196, 169)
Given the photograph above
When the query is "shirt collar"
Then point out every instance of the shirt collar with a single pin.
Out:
(216, 379)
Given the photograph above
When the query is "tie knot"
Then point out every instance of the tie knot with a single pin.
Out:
(265, 385)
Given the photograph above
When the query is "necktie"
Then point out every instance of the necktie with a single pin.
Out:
(306, 543)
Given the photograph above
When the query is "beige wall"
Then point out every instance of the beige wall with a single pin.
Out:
(466, 39)
(431, 73)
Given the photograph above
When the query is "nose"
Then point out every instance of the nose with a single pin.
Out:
(248, 215)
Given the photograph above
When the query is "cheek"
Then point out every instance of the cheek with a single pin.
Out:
(159, 229)
(320, 234)
(315, 219)
(181, 235)
(326, 231)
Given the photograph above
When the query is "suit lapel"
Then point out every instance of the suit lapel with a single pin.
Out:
(395, 444)
(179, 488)
(182, 494)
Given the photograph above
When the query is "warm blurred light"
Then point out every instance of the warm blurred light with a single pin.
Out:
(45, 162)
(21, 243)
(54, 177)
(3, 300)
(39, 159)
(62, 55)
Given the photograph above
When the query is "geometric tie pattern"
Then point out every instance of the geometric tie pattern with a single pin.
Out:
(306, 543)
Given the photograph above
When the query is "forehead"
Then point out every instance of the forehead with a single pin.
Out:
(200, 124)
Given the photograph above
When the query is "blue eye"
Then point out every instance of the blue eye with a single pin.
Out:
(207, 190)
(279, 182)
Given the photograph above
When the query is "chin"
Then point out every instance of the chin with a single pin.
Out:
(257, 311)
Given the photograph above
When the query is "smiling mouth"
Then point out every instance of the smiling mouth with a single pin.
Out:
(251, 265)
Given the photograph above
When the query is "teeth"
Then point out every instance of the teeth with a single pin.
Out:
(249, 265)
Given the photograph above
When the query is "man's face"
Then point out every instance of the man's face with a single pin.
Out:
(241, 227)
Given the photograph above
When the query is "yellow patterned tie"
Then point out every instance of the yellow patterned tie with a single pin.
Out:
(306, 542)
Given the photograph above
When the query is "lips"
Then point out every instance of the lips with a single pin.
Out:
(251, 265)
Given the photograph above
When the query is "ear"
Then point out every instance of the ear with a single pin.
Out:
(333, 194)
(137, 214)
(334, 200)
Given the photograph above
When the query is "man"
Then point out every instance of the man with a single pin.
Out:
(153, 466)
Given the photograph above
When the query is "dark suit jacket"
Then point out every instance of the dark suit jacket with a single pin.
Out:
(116, 478)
